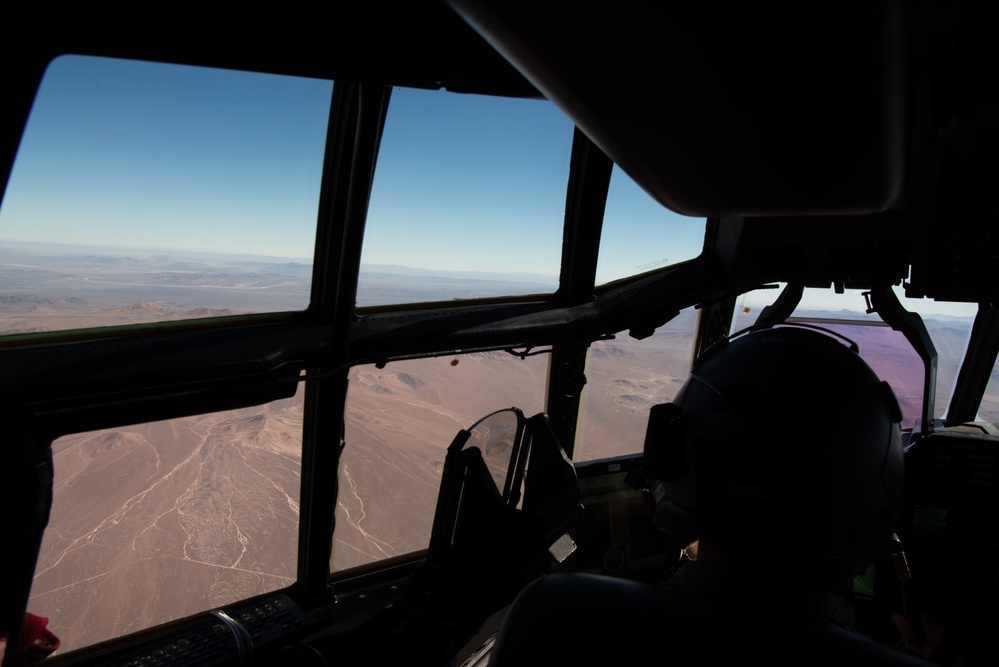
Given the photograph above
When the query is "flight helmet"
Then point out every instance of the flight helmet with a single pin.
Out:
(783, 445)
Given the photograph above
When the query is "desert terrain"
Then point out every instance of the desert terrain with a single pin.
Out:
(162, 520)
(46, 287)
(624, 378)
(158, 521)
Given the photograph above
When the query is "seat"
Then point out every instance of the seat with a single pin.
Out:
(585, 619)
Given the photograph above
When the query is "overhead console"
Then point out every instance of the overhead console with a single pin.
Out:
(958, 259)
(789, 111)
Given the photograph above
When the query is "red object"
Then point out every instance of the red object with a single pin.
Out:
(36, 641)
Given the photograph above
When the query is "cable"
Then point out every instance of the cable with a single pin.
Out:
(244, 642)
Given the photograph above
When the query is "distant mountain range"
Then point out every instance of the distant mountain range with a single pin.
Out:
(373, 270)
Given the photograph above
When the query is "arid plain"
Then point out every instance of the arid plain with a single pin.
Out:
(162, 520)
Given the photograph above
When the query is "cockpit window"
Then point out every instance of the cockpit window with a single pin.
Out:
(624, 378)
(989, 410)
(162, 520)
(146, 192)
(468, 199)
(639, 234)
(887, 351)
(400, 420)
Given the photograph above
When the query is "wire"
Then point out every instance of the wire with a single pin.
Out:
(244, 642)
(804, 325)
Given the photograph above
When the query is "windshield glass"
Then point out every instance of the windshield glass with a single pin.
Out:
(157, 521)
(624, 378)
(989, 410)
(639, 234)
(400, 420)
(146, 192)
(498, 438)
(887, 351)
(468, 199)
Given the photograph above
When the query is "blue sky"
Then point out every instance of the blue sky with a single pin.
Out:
(150, 156)
(470, 183)
(639, 234)
(158, 157)
(479, 183)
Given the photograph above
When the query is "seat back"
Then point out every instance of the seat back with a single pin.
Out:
(583, 619)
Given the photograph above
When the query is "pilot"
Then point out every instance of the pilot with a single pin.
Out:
(781, 456)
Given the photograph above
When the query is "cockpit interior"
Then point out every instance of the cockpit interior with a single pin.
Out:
(328, 330)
